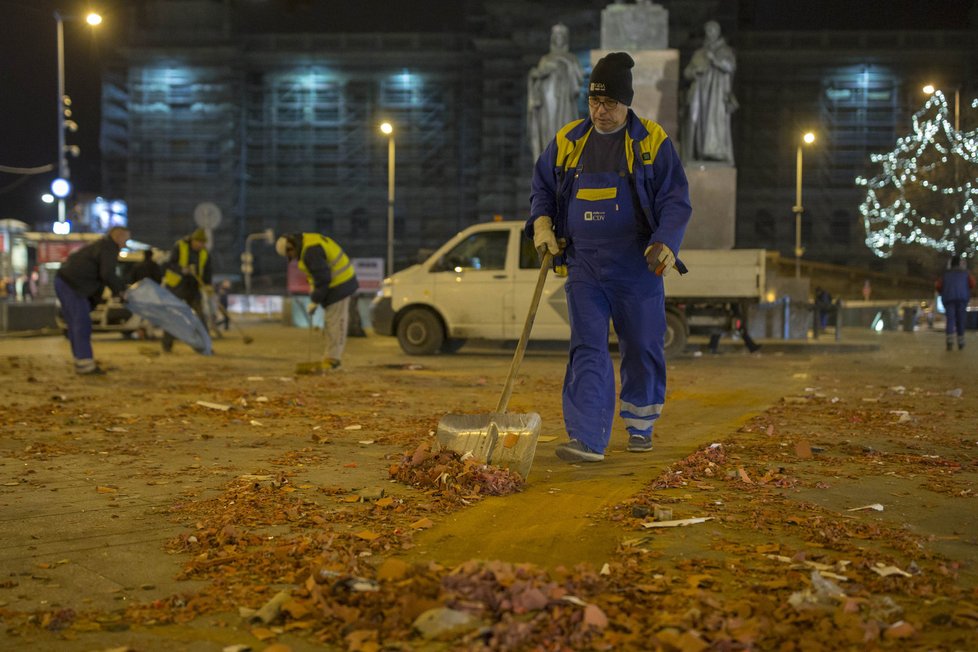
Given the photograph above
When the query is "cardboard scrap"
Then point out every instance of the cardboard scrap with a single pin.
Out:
(875, 507)
(214, 406)
(885, 571)
(678, 523)
(826, 570)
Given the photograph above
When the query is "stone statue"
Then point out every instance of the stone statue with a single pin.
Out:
(709, 100)
(552, 87)
(634, 27)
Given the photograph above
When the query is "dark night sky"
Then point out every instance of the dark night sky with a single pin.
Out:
(28, 77)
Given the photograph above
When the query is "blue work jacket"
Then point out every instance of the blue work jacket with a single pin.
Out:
(659, 179)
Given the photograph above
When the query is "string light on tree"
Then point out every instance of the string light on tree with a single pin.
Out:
(927, 192)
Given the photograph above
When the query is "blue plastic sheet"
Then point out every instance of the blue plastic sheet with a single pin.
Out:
(165, 310)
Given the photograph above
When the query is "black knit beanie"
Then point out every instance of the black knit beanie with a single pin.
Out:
(612, 77)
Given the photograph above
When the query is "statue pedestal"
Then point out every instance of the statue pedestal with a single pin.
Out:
(655, 80)
(634, 27)
(713, 194)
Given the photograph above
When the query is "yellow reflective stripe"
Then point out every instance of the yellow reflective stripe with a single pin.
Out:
(171, 278)
(569, 151)
(630, 153)
(648, 145)
(596, 194)
(184, 256)
(340, 267)
(343, 276)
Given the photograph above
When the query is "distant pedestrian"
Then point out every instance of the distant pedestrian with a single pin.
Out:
(79, 285)
(34, 283)
(867, 290)
(955, 286)
(823, 304)
(24, 282)
(332, 281)
(223, 294)
(147, 268)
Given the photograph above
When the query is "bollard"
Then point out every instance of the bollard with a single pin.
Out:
(838, 319)
(909, 318)
(816, 319)
(786, 318)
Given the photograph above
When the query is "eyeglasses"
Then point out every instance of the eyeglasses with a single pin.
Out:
(609, 105)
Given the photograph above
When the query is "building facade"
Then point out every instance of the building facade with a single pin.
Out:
(278, 125)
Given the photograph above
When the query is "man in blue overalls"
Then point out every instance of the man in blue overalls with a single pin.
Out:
(610, 196)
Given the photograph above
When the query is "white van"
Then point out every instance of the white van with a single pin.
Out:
(478, 285)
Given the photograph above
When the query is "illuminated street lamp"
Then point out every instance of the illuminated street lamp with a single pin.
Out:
(930, 89)
(64, 104)
(806, 139)
(388, 130)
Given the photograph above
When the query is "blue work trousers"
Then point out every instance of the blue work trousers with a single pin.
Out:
(76, 311)
(956, 313)
(606, 281)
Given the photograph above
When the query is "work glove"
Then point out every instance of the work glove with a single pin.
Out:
(311, 308)
(544, 238)
(187, 270)
(660, 258)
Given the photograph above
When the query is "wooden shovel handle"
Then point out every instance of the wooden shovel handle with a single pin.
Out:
(525, 335)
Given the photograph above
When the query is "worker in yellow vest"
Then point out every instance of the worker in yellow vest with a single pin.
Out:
(187, 273)
(332, 281)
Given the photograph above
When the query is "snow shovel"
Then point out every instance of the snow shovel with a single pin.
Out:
(500, 439)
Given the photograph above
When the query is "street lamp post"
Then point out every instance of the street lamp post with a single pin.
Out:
(64, 103)
(63, 172)
(807, 139)
(929, 89)
(388, 129)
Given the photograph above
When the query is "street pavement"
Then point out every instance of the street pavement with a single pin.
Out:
(94, 470)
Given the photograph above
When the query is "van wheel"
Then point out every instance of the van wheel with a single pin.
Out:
(420, 332)
(675, 339)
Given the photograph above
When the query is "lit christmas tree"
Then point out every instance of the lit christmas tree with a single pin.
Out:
(926, 194)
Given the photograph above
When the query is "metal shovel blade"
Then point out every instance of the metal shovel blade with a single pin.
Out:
(506, 440)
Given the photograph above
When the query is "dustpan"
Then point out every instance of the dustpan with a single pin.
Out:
(500, 438)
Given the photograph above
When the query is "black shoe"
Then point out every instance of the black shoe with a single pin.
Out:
(639, 444)
(575, 451)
